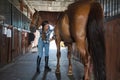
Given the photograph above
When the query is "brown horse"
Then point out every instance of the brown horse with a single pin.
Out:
(81, 23)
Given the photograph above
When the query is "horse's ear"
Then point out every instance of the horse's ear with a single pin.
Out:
(35, 10)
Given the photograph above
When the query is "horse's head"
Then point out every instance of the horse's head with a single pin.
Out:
(36, 20)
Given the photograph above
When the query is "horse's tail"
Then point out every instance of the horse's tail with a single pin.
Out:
(96, 42)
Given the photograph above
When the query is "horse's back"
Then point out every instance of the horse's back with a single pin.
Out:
(78, 14)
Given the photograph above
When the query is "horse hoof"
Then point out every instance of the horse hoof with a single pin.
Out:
(57, 71)
(70, 73)
(85, 78)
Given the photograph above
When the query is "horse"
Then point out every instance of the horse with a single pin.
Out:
(81, 23)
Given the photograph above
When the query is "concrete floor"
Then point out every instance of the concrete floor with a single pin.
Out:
(24, 68)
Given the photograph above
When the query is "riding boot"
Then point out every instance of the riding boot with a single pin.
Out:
(46, 63)
(38, 64)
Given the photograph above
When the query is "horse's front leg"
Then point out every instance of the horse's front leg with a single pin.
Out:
(58, 55)
(69, 59)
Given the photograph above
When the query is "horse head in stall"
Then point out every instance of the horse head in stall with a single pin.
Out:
(40, 16)
(36, 21)
(82, 23)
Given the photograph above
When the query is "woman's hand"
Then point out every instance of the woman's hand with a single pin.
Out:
(51, 39)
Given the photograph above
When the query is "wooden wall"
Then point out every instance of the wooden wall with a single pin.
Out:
(16, 45)
(12, 47)
(3, 47)
(112, 36)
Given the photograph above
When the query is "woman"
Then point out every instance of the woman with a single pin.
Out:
(43, 42)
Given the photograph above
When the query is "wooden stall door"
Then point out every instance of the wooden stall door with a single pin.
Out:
(112, 36)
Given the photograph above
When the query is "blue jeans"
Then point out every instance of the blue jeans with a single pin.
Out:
(41, 46)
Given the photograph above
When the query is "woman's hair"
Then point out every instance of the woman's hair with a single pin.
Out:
(43, 32)
(44, 23)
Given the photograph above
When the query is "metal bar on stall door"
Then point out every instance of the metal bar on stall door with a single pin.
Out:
(103, 4)
(109, 8)
(11, 30)
(118, 7)
(115, 7)
(106, 7)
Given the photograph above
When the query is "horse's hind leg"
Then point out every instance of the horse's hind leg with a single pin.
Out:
(82, 48)
(69, 59)
(58, 54)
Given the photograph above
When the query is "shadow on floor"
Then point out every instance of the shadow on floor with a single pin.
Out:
(58, 76)
(37, 74)
(71, 77)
